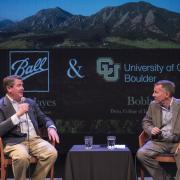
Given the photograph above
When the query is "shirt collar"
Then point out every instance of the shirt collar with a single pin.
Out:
(12, 100)
(168, 109)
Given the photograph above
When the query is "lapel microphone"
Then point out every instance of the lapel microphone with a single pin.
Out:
(23, 99)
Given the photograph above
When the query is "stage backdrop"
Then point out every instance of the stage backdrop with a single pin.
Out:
(91, 66)
(92, 90)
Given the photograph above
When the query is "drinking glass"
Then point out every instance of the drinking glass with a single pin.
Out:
(88, 142)
(111, 141)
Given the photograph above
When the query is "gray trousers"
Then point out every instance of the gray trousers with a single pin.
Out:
(146, 156)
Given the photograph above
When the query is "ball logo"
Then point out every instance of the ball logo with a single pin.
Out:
(108, 69)
(25, 70)
(33, 67)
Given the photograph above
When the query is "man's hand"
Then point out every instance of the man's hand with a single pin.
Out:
(53, 136)
(23, 108)
(155, 131)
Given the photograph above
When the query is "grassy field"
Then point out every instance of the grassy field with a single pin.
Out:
(39, 41)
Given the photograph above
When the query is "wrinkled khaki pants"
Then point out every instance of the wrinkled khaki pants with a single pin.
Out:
(43, 150)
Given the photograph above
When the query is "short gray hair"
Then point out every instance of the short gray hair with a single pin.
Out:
(167, 85)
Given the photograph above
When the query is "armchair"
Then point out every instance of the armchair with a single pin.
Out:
(161, 158)
(5, 161)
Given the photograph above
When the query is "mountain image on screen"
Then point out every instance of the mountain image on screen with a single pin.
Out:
(131, 25)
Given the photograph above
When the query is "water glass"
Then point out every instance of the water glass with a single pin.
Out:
(88, 141)
(111, 141)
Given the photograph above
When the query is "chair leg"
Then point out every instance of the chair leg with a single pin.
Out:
(52, 172)
(142, 174)
(3, 173)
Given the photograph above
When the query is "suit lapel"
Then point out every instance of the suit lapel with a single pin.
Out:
(31, 115)
(8, 108)
(158, 115)
(175, 111)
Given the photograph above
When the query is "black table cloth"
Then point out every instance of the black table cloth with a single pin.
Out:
(99, 163)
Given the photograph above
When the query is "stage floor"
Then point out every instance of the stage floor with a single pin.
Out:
(146, 178)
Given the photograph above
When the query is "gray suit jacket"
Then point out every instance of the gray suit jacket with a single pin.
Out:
(154, 117)
(11, 133)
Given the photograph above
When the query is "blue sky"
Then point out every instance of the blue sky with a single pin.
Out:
(20, 9)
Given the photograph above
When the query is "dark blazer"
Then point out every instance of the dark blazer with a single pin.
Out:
(11, 133)
(153, 117)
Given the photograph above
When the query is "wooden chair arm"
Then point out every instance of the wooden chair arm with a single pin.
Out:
(2, 151)
(1, 144)
(142, 138)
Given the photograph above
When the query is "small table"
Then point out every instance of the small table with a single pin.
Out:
(99, 163)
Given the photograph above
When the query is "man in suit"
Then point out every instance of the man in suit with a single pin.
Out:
(20, 119)
(162, 124)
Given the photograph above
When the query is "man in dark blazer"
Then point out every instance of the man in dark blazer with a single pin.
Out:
(162, 124)
(20, 119)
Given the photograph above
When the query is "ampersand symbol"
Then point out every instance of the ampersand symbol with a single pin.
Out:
(74, 70)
